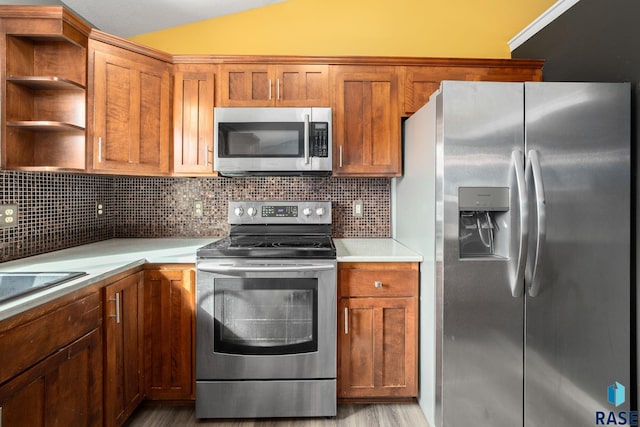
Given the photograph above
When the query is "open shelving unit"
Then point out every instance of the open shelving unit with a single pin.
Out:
(44, 88)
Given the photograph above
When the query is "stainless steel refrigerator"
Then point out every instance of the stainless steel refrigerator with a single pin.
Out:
(518, 197)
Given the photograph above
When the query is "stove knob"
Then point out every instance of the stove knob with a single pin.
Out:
(252, 211)
(320, 211)
(306, 211)
(238, 211)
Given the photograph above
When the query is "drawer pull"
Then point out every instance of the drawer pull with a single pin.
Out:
(377, 284)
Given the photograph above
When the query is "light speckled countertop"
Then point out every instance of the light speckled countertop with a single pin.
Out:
(102, 260)
(374, 250)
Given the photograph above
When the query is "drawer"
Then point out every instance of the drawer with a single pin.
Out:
(378, 282)
(35, 339)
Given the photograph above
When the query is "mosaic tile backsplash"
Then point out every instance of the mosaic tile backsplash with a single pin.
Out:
(58, 211)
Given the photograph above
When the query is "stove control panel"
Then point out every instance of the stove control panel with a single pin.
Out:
(288, 211)
(279, 212)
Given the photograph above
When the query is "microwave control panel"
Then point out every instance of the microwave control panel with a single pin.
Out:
(319, 139)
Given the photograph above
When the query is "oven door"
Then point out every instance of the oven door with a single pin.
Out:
(265, 319)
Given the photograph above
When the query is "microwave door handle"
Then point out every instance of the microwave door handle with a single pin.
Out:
(306, 139)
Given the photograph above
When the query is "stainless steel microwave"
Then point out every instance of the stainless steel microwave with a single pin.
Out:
(272, 141)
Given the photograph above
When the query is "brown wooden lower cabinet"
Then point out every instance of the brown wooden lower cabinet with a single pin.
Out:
(378, 330)
(65, 389)
(169, 299)
(90, 358)
(123, 347)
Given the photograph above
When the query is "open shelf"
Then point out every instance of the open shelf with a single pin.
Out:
(44, 104)
(46, 83)
(45, 125)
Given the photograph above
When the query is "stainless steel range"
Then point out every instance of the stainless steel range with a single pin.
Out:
(266, 314)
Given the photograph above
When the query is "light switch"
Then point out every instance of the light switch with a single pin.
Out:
(358, 208)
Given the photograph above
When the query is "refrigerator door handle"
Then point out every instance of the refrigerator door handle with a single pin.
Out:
(517, 279)
(532, 275)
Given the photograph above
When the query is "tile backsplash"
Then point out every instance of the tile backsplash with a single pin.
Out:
(57, 211)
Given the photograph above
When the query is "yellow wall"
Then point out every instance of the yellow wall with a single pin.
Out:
(438, 28)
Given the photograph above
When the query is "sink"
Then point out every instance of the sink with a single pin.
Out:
(13, 285)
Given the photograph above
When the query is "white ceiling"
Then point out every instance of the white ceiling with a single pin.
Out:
(126, 18)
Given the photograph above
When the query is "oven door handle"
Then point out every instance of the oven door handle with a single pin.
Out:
(239, 268)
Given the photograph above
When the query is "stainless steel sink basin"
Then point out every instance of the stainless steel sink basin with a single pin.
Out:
(13, 285)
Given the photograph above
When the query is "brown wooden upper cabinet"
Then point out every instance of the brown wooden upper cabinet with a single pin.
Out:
(269, 85)
(420, 82)
(366, 121)
(43, 89)
(130, 111)
(193, 102)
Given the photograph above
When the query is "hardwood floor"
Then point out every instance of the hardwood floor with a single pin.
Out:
(382, 415)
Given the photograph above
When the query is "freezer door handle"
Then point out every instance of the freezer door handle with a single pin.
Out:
(533, 174)
(517, 278)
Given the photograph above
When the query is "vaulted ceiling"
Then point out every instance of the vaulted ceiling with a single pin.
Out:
(126, 18)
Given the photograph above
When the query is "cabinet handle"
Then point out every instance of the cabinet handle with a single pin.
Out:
(117, 301)
(206, 155)
(278, 89)
(346, 320)
(99, 149)
(269, 89)
(377, 284)
(340, 159)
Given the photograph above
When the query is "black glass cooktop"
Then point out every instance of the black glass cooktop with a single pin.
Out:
(271, 246)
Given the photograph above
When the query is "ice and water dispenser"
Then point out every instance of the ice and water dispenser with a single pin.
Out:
(483, 222)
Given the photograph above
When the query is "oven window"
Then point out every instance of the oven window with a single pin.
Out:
(270, 139)
(266, 316)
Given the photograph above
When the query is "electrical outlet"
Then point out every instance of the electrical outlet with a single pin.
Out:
(99, 209)
(358, 208)
(8, 216)
(198, 208)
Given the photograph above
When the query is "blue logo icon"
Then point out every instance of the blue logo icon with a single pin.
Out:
(615, 394)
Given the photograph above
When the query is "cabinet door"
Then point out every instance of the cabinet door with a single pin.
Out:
(420, 82)
(366, 126)
(169, 333)
(193, 120)
(246, 85)
(131, 112)
(64, 389)
(378, 348)
(302, 86)
(123, 325)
